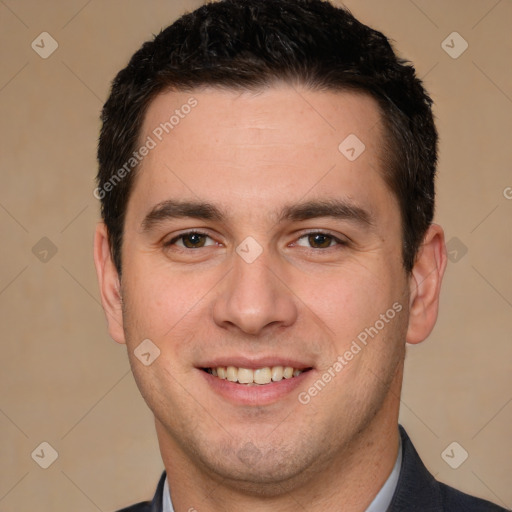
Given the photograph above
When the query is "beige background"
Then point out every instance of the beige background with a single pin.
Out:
(65, 382)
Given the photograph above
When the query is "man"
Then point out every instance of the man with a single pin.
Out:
(266, 172)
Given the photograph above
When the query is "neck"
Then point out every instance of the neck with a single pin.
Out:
(352, 478)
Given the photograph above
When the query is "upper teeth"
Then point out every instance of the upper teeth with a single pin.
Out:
(257, 376)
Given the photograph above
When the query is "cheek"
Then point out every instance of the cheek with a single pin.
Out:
(349, 299)
(161, 302)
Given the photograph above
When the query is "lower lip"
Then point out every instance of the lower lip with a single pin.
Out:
(257, 394)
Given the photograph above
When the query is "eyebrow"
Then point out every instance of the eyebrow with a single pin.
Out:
(173, 209)
(334, 208)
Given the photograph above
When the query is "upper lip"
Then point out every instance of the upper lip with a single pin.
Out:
(253, 363)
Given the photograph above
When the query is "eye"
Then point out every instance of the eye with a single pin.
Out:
(319, 240)
(191, 240)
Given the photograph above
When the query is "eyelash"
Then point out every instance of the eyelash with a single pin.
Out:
(183, 235)
(338, 241)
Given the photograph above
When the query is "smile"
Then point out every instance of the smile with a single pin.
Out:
(256, 376)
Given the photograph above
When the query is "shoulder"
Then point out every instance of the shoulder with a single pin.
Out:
(456, 500)
(150, 506)
(139, 507)
(417, 490)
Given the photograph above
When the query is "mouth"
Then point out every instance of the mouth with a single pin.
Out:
(255, 376)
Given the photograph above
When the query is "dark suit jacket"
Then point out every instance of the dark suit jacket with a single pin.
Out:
(416, 491)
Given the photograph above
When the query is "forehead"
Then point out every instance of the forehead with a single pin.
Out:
(274, 144)
(276, 114)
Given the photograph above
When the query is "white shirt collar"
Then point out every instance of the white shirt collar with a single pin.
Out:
(167, 504)
(383, 499)
(379, 504)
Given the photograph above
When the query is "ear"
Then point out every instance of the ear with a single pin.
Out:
(109, 283)
(425, 285)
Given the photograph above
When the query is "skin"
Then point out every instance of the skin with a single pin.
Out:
(250, 154)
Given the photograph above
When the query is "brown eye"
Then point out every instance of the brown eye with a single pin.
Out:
(319, 240)
(193, 240)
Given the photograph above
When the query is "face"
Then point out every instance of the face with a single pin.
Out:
(256, 238)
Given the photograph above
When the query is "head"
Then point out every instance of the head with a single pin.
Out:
(299, 154)
(248, 46)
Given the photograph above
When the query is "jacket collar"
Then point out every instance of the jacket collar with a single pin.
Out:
(416, 487)
(156, 504)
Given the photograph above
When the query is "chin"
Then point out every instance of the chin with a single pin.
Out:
(260, 472)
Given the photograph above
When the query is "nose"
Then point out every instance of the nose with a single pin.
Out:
(254, 298)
